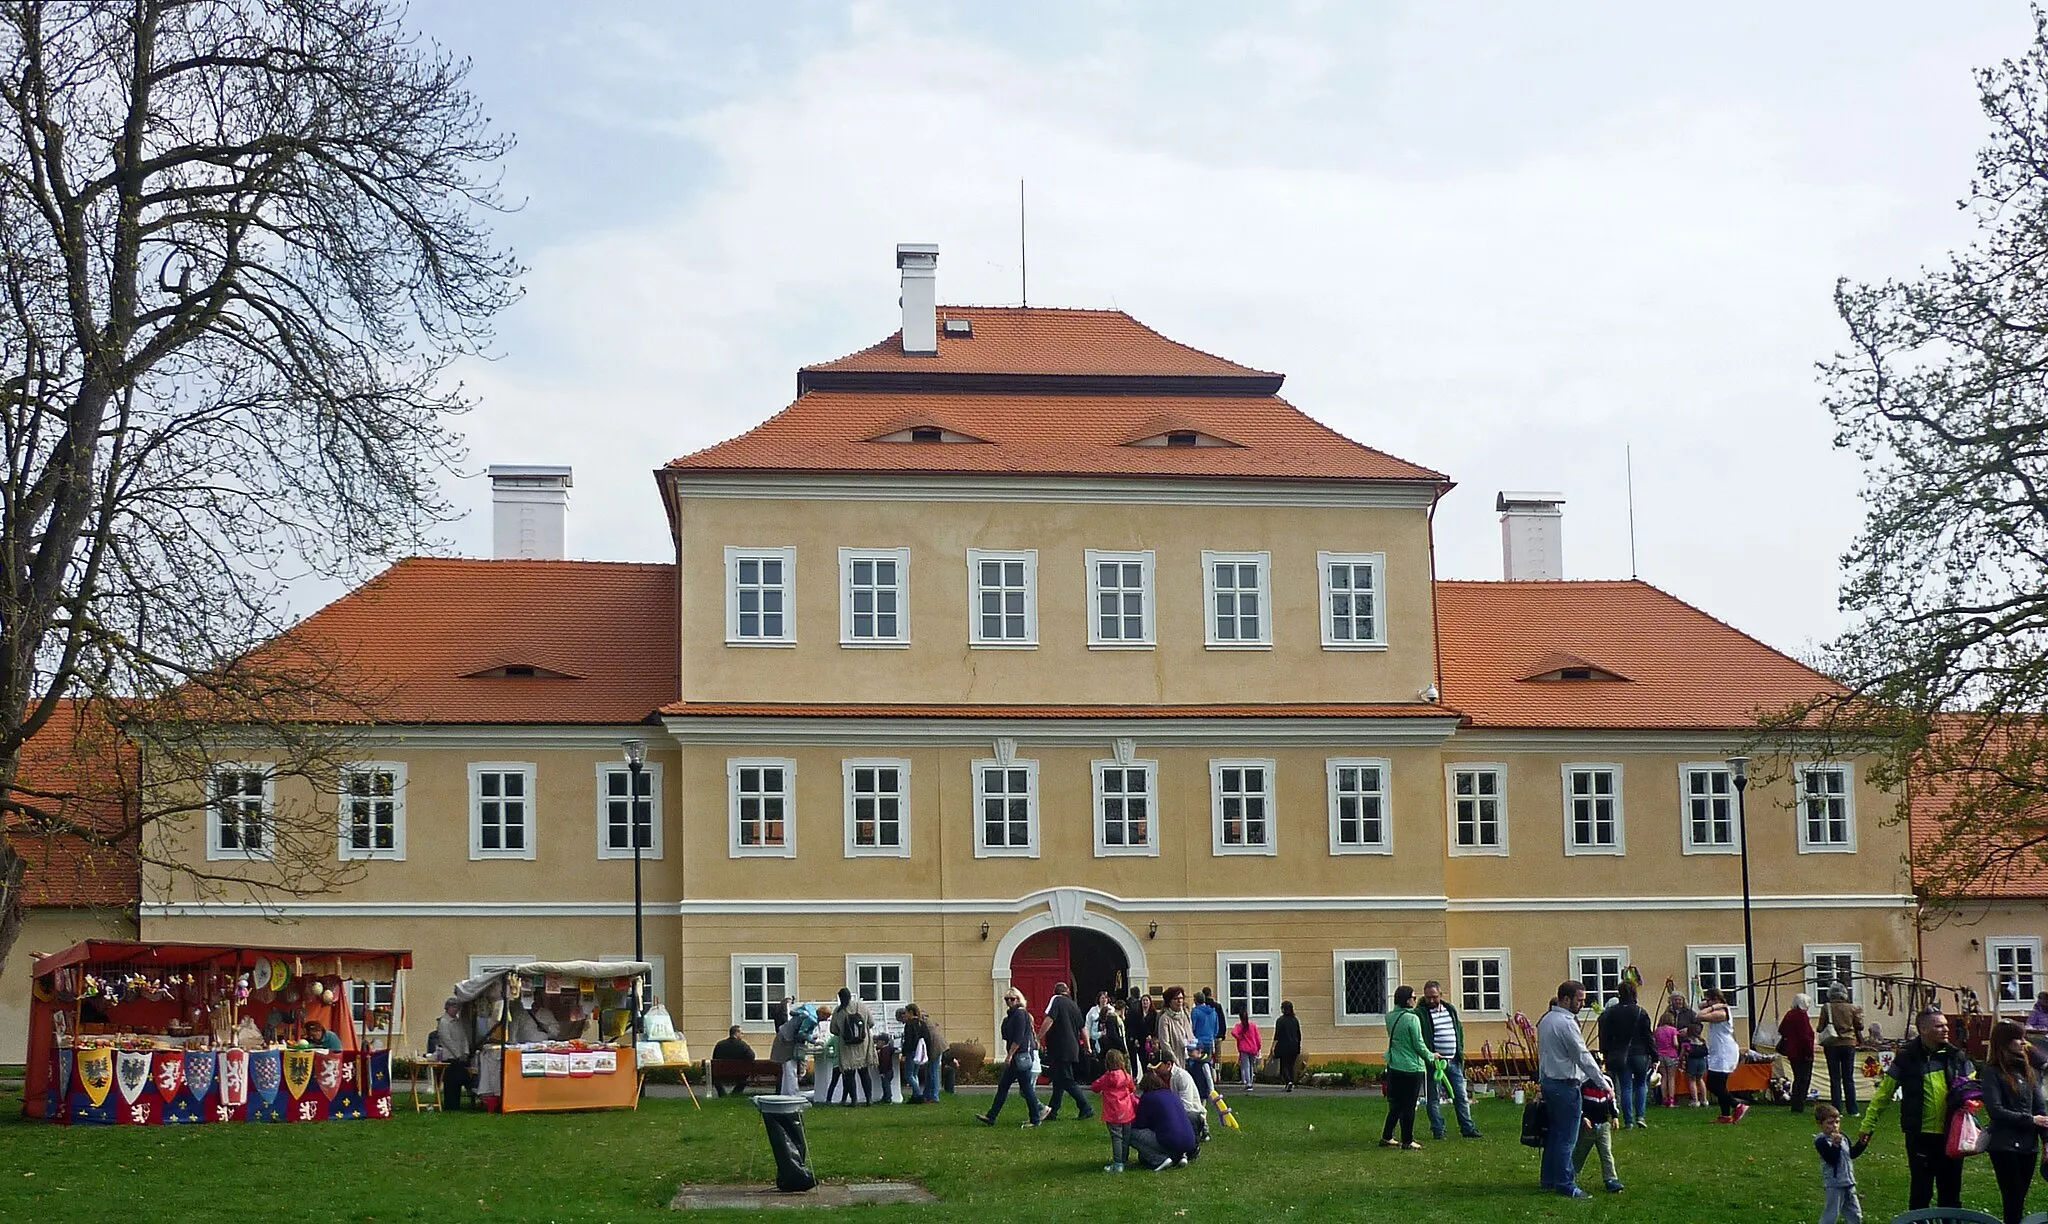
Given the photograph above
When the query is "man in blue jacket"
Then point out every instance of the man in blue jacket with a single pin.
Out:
(1207, 1020)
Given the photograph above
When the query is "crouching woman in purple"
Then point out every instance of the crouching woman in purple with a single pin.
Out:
(1163, 1136)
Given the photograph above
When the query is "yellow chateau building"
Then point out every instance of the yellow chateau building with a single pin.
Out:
(1029, 644)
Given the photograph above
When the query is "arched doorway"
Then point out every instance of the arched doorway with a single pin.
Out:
(1088, 961)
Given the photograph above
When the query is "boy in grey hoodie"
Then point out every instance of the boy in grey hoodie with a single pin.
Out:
(1837, 1168)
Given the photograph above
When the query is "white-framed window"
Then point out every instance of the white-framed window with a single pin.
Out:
(1827, 809)
(1236, 589)
(372, 807)
(760, 596)
(1359, 820)
(657, 982)
(1478, 808)
(1249, 979)
(882, 982)
(1354, 608)
(621, 818)
(480, 965)
(241, 812)
(1707, 823)
(1832, 965)
(1126, 807)
(2014, 964)
(1119, 599)
(1718, 966)
(1592, 809)
(1006, 809)
(1599, 971)
(1003, 589)
(759, 983)
(877, 799)
(1363, 982)
(501, 814)
(1484, 982)
(375, 1007)
(761, 802)
(1241, 807)
(874, 597)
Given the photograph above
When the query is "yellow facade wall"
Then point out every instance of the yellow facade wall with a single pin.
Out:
(1956, 945)
(940, 667)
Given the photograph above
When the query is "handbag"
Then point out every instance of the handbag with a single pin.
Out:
(1536, 1123)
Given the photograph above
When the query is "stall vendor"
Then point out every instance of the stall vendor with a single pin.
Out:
(534, 1022)
(320, 1039)
(453, 1046)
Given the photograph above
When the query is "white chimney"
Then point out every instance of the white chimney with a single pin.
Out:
(1531, 536)
(920, 264)
(529, 511)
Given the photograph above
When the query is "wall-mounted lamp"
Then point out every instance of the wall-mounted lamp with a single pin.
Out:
(1974, 945)
(1153, 933)
(984, 930)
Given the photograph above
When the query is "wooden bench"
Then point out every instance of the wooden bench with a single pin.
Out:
(747, 1073)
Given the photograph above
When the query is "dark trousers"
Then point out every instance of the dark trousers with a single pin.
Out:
(1014, 1073)
(1932, 1173)
(1290, 1067)
(1717, 1087)
(1802, 1081)
(1062, 1072)
(1404, 1088)
(1842, 1077)
(2015, 1172)
(456, 1078)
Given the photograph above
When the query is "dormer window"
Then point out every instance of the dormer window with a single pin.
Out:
(1559, 668)
(1575, 673)
(927, 433)
(1183, 437)
(520, 671)
(922, 430)
(1176, 430)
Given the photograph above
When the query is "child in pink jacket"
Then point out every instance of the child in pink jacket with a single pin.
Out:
(1248, 1046)
(1119, 1107)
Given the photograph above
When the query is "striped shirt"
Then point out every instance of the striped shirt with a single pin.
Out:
(1443, 1037)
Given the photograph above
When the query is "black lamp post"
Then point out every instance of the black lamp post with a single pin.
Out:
(636, 760)
(1738, 768)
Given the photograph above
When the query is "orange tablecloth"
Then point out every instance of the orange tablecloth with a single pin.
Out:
(539, 1094)
(1749, 1077)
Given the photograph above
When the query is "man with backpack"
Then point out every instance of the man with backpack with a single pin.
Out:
(855, 1028)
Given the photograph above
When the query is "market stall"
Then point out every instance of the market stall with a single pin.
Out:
(556, 1035)
(148, 1034)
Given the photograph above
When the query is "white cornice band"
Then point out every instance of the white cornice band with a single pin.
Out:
(961, 732)
(1786, 901)
(1161, 491)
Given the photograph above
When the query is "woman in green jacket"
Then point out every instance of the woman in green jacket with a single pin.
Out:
(1408, 1066)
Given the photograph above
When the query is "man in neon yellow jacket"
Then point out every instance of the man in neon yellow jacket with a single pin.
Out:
(1922, 1073)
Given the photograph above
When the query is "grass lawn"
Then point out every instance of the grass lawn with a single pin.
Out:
(626, 1166)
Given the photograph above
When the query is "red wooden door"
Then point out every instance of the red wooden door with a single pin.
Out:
(1038, 963)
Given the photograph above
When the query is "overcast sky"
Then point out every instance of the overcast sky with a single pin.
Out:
(1505, 241)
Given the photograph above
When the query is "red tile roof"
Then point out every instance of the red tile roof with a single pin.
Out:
(1993, 855)
(1051, 435)
(1686, 670)
(416, 631)
(704, 709)
(84, 770)
(1043, 340)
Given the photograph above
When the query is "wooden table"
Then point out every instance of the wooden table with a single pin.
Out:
(433, 1071)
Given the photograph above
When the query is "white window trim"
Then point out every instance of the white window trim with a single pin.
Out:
(901, 556)
(1385, 845)
(1853, 950)
(734, 848)
(1271, 958)
(1456, 982)
(740, 963)
(846, 768)
(214, 853)
(1102, 848)
(653, 848)
(480, 965)
(733, 554)
(1029, 556)
(1451, 771)
(1378, 562)
(658, 986)
(903, 966)
(1686, 843)
(1571, 964)
(1991, 946)
(1620, 846)
(476, 827)
(1344, 1019)
(1848, 806)
(397, 852)
(1264, 560)
(981, 847)
(1096, 641)
(1217, 765)
(1737, 1000)
(351, 987)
